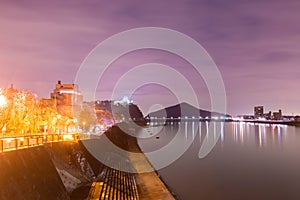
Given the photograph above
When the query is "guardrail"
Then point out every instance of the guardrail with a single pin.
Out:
(21, 142)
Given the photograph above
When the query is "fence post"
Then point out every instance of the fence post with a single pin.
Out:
(16, 143)
(45, 138)
(1, 145)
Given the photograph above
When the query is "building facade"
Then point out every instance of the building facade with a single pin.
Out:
(258, 112)
(277, 115)
(68, 99)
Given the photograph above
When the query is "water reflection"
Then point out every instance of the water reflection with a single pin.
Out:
(200, 131)
(222, 132)
(241, 133)
(248, 161)
(193, 130)
(266, 134)
(186, 130)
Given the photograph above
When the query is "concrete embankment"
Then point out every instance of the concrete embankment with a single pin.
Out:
(51, 171)
(148, 183)
(30, 174)
(71, 164)
(86, 169)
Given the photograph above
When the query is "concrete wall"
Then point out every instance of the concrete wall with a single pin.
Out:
(71, 164)
(29, 174)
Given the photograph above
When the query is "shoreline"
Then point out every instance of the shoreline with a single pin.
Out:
(150, 184)
(288, 123)
(158, 175)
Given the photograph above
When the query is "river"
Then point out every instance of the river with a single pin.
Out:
(249, 161)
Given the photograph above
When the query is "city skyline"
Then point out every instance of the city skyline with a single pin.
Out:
(71, 89)
(254, 45)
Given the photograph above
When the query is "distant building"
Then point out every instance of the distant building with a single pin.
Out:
(245, 116)
(268, 115)
(68, 99)
(297, 118)
(48, 103)
(125, 101)
(258, 112)
(277, 115)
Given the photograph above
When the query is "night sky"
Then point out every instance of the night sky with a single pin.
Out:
(255, 44)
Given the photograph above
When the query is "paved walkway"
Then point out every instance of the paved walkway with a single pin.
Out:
(146, 186)
(149, 185)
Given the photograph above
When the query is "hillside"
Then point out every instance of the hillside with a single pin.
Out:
(183, 110)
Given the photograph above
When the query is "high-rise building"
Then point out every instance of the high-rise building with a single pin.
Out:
(258, 112)
(68, 99)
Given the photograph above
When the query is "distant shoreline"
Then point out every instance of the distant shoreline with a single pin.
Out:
(289, 123)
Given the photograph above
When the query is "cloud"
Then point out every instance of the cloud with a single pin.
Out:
(252, 42)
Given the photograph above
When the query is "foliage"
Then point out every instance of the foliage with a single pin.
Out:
(86, 119)
(22, 114)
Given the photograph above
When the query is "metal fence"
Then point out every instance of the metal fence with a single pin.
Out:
(21, 142)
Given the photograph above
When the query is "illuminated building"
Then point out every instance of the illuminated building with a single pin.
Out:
(47, 103)
(125, 101)
(258, 112)
(68, 99)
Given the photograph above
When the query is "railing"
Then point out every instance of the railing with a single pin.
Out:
(21, 142)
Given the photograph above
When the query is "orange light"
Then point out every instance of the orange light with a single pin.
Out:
(2, 100)
(68, 137)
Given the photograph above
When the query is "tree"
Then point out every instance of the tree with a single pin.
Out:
(86, 119)
(22, 114)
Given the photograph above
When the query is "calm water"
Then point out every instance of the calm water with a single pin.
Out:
(249, 161)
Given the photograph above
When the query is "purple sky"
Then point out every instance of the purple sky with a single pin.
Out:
(256, 46)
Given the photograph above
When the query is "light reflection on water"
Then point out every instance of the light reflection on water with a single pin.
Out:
(250, 161)
(261, 134)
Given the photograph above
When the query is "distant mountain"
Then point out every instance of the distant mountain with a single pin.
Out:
(184, 110)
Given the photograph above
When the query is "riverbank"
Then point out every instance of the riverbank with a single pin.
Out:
(48, 171)
(149, 184)
(279, 122)
(64, 170)
(159, 122)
